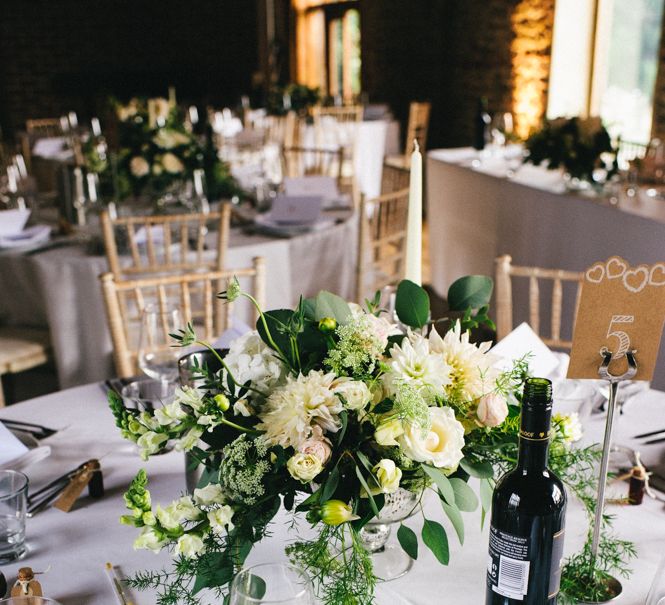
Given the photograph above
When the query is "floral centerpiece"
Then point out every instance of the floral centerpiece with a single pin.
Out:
(292, 97)
(156, 154)
(329, 410)
(581, 146)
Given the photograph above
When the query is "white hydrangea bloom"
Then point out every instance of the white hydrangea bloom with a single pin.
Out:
(249, 358)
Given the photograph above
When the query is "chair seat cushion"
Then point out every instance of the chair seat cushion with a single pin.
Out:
(22, 348)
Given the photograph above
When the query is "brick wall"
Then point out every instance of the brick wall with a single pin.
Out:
(71, 54)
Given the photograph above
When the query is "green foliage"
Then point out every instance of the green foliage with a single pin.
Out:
(465, 497)
(470, 292)
(412, 304)
(436, 539)
(408, 541)
(301, 99)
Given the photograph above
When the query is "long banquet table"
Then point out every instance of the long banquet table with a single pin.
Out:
(476, 213)
(76, 545)
(59, 289)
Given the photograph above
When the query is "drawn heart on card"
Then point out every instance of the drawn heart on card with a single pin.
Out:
(595, 274)
(616, 267)
(657, 275)
(636, 279)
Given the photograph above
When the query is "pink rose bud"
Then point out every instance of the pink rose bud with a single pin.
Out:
(492, 409)
(317, 445)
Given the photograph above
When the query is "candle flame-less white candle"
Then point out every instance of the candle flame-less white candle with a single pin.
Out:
(414, 231)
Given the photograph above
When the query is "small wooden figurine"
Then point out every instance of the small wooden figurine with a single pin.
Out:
(26, 585)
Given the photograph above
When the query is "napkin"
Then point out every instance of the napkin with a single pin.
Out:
(13, 221)
(28, 237)
(522, 341)
(10, 447)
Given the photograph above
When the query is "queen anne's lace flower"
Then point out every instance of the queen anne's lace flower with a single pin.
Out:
(471, 371)
(249, 358)
(291, 410)
(243, 468)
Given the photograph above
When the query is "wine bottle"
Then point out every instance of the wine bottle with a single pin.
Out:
(481, 125)
(528, 513)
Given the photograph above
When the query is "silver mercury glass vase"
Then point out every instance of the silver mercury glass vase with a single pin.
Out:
(389, 560)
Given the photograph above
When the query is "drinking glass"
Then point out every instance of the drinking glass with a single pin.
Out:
(147, 394)
(656, 595)
(272, 583)
(13, 502)
(157, 357)
(28, 601)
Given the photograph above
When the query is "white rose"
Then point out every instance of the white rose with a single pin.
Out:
(172, 164)
(151, 443)
(389, 476)
(149, 540)
(356, 395)
(492, 409)
(388, 431)
(157, 169)
(191, 438)
(220, 519)
(210, 494)
(304, 467)
(441, 446)
(317, 445)
(170, 414)
(189, 545)
(168, 517)
(139, 166)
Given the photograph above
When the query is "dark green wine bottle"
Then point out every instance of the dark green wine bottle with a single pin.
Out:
(528, 513)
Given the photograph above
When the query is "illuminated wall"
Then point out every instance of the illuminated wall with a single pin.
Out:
(532, 24)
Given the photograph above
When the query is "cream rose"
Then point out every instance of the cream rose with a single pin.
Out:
(172, 164)
(139, 166)
(189, 545)
(317, 445)
(304, 467)
(388, 431)
(389, 476)
(492, 409)
(441, 446)
(354, 393)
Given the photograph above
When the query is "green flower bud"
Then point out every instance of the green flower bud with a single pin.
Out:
(336, 512)
(222, 402)
(327, 325)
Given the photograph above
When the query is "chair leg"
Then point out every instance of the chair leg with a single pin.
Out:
(2, 395)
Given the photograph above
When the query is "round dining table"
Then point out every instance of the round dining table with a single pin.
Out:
(73, 547)
(57, 287)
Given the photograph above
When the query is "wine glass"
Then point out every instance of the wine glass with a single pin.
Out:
(656, 594)
(272, 583)
(157, 357)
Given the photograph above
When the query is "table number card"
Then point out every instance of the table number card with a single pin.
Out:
(622, 308)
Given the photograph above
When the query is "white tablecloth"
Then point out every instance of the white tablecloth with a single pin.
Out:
(60, 289)
(477, 214)
(78, 544)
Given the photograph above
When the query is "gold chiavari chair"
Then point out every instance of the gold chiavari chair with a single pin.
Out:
(505, 270)
(381, 242)
(303, 161)
(167, 243)
(283, 130)
(21, 349)
(41, 128)
(394, 178)
(194, 292)
(417, 128)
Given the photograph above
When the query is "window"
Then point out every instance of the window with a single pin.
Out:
(328, 46)
(604, 62)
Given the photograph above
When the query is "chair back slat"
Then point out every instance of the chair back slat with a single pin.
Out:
(381, 242)
(505, 271)
(417, 126)
(154, 253)
(196, 292)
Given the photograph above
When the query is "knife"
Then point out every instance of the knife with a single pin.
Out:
(650, 434)
(41, 432)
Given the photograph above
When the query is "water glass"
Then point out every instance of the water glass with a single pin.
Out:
(157, 356)
(13, 502)
(272, 583)
(28, 601)
(656, 595)
(147, 394)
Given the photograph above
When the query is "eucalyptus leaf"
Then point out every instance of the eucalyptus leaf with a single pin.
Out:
(465, 497)
(408, 541)
(441, 481)
(486, 491)
(452, 512)
(471, 291)
(327, 304)
(412, 304)
(435, 538)
(480, 470)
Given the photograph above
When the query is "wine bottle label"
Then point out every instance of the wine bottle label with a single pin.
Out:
(557, 562)
(508, 564)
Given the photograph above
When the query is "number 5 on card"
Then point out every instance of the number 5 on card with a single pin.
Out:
(622, 308)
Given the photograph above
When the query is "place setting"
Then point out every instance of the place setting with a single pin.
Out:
(329, 304)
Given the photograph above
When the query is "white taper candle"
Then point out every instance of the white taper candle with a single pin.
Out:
(414, 231)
